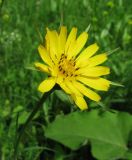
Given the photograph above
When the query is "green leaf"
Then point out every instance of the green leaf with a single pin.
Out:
(108, 132)
(63, 96)
(116, 84)
(22, 117)
(19, 108)
(53, 5)
(129, 155)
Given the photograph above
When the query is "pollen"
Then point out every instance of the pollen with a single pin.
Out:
(66, 67)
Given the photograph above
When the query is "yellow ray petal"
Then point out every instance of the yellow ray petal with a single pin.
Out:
(80, 42)
(54, 71)
(70, 49)
(96, 60)
(42, 67)
(93, 71)
(53, 40)
(44, 55)
(73, 89)
(47, 43)
(96, 83)
(65, 88)
(62, 84)
(86, 54)
(87, 92)
(71, 38)
(62, 39)
(80, 102)
(47, 85)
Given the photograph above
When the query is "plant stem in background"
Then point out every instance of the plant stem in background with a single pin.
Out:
(1, 5)
(29, 119)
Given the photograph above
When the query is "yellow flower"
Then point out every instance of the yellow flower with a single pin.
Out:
(70, 66)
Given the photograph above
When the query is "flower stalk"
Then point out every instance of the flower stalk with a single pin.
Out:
(29, 119)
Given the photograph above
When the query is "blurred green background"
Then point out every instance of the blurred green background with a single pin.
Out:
(20, 24)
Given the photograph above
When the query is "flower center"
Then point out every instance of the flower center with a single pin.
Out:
(66, 67)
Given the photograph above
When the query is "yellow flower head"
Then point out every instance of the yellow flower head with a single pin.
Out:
(70, 66)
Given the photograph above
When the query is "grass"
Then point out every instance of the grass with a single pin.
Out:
(20, 21)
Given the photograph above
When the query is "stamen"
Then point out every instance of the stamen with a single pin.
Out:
(64, 72)
(60, 68)
(52, 61)
(62, 56)
(66, 66)
(55, 56)
(74, 63)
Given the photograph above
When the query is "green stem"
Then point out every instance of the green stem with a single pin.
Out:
(29, 119)
(1, 5)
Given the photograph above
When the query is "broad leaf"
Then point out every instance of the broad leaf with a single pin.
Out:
(108, 132)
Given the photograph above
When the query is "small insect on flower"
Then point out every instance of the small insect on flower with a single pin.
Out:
(70, 66)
